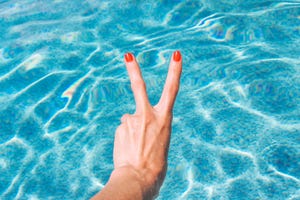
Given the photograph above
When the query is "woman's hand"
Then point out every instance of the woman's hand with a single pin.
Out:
(142, 140)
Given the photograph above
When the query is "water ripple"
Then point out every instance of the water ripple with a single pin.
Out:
(236, 127)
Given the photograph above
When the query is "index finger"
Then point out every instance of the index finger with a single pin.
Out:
(138, 85)
(171, 87)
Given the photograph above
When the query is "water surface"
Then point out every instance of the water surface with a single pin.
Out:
(64, 87)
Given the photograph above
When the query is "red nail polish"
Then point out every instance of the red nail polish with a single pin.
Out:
(128, 57)
(177, 56)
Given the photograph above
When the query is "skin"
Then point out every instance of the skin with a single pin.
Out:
(142, 140)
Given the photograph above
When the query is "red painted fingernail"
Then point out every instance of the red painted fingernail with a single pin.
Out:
(177, 56)
(128, 57)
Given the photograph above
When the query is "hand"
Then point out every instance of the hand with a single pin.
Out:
(142, 140)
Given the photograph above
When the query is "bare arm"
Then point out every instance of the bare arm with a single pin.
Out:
(142, 140)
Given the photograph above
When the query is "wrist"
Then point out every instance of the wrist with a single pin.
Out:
(144, 180)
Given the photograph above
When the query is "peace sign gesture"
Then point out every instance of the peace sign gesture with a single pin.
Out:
(142, 140)
(139, 88)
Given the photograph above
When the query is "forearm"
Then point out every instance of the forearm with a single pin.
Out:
(123, 184)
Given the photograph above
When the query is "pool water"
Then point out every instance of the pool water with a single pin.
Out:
(64, 87)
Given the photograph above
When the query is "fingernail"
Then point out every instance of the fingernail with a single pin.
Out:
(177, 56)
(128, 57)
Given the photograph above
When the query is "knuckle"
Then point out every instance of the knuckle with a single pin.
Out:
(125, 117)
(175, 85)
(144, 118)
(167, 111)
(138, 84)
(166, 116)
(174, 88)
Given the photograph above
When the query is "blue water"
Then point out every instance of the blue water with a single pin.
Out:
(64, 87)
